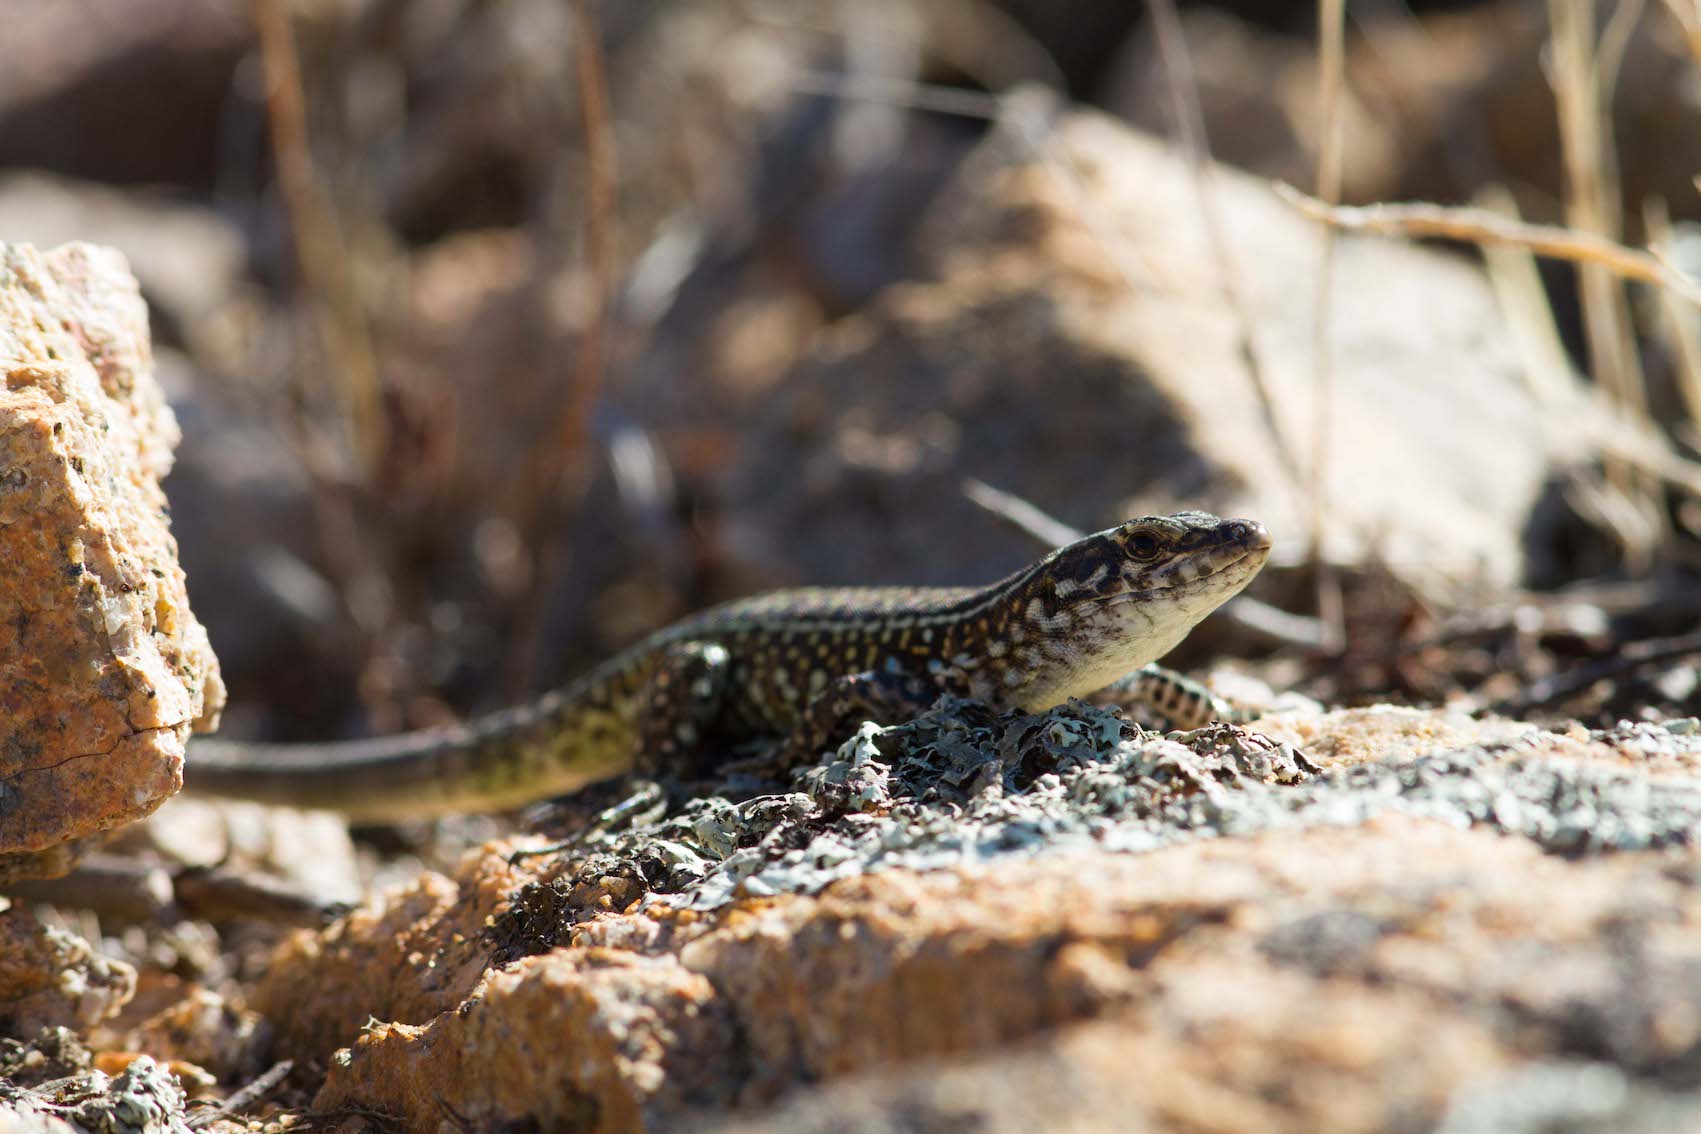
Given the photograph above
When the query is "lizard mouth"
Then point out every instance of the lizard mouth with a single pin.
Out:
(1242, 550)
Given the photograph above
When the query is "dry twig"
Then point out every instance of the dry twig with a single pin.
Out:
(321, 257)
(1331, 83)
(244, 1097)
(1629, 657)
(1682, 326)
(1190, 122)
(1624, 438)
(1479, 226)
(560, 473)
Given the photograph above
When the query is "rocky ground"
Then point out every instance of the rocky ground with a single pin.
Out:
(1372, 919)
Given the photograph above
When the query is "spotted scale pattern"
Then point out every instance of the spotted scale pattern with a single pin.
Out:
(1070, 624)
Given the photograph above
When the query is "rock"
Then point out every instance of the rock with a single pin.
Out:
(202, 1029)
(619, 1038)
(124, 90)
(187, 259)
(322, 987)
(52, 1053)
(1356, 979)
(103, 668)
(310, 851)
(50, 977)
(1431, 922)
(144, 1098)
(1075, 346)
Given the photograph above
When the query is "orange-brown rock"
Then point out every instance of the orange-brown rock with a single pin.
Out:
(1391, 944)
(103, 669)
(1339, 979)
(574, 1040)
(415, 955)
(199, 1028)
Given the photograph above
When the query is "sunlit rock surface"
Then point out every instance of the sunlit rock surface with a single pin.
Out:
(104, 670)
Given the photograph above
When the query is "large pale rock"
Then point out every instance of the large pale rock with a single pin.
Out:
(103, 669)
(1075, 344)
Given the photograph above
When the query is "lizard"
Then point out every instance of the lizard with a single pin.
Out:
(1096, 612)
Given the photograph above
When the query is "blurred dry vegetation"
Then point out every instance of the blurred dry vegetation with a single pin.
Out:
(468, 307)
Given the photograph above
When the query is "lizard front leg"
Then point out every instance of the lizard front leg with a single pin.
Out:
(680, 705)
(834, 713)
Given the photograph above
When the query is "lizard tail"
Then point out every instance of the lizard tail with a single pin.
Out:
(491, 763)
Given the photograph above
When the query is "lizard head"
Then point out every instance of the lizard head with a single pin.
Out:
(1177, 558)
(1116, 600)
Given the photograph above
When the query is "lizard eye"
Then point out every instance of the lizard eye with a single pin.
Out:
(1143, 546)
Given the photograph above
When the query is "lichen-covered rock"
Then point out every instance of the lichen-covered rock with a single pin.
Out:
(50, 977)
(1420, 920)
(144, 1098)
(103, 669)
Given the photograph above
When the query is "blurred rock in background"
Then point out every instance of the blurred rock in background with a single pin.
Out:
(841, 275)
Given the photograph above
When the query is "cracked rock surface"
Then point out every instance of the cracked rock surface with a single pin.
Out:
(104, 671)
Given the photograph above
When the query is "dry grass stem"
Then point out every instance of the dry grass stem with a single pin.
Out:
(1481, 227)
(1189, 120)
(1638, 444)
(559, 473)
(1558, 392)
(1517, 283)
(1584, 72)
(1023, 515)
(1688, 16)
(602, 181)
(1681, 326)
(354, 448)
(867, 87)
(321, 256)
(1614, 42)
(1575, 417)
(1331, 50)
